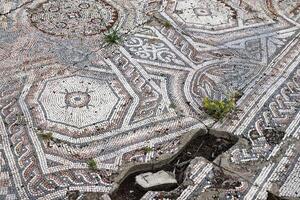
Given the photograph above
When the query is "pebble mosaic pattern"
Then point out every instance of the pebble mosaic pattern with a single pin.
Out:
(111, 102)
(66, 18)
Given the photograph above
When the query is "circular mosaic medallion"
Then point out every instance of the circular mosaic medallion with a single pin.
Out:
(74, 17)
(77, 99)
(205, 14)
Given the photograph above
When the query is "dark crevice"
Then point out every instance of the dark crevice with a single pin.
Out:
(274, 197)
(209, 146)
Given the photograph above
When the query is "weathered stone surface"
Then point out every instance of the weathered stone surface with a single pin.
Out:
(160, 180)
(132, 103)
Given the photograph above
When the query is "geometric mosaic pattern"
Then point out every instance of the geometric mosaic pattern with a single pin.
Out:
(63, 17)
(7, 190)
(110, 102)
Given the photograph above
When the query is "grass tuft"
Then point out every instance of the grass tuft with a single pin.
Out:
(113, 37)
(92, 164)
(148, 149)
(218, 108)
(46, 136)
(167, 24)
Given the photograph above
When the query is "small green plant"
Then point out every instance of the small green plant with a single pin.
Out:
(167, 24)
(218, 108)
(148, 149)
(172, 105)
(236, 95)
(21, 120)
(46, 136)
(92, 164)
(113, 37)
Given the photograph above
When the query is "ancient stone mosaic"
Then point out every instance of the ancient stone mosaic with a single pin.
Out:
(68, 96)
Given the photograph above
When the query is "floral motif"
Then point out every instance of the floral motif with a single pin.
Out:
(144, 49)
(74, 17)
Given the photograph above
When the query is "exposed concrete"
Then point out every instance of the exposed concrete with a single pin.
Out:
(165, 159)
(160, 180)
(152, 165)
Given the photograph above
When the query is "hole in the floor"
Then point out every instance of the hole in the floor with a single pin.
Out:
(207, 146)
(274, 197)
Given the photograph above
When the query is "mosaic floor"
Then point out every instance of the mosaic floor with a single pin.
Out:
(109, 102)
